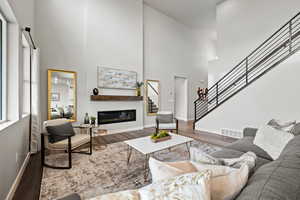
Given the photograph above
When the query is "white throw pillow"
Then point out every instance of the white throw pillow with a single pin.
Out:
(163, 170)
(272, 140)
(226, 182)
(192, 186)
(280, 125)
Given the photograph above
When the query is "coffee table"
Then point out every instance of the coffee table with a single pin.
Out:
(145, 146)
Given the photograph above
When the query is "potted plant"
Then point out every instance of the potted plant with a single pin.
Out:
(93, 120)
(138, 88)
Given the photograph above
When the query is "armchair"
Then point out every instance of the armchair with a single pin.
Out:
(166, 121)
(68, 145)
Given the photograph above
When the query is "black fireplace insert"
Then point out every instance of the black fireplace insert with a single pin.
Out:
(117, 116)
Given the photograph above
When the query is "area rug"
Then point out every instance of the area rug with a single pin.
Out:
(105, 171)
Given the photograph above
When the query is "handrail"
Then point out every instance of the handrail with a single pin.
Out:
(278, 47)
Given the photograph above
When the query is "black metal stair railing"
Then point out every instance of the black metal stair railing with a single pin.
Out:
(277, 48)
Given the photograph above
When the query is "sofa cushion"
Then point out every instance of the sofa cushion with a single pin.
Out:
(279, 179)
(163, 170)
(296, 129)
(231, 153)
(250, 132)
(292, 149)
(273, 141)
(246, 144)
(192, 186)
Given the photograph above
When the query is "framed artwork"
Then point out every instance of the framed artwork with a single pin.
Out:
(55, 97)
(116, 78)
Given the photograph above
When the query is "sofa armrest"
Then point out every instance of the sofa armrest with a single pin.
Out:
(249, 132)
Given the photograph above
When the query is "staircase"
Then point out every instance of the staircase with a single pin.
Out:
(152, 107)
(278, 47)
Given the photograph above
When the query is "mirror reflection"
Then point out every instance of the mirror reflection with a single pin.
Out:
(61, 94)
(152, 96)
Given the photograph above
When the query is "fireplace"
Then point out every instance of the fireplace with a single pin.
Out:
(117, 116)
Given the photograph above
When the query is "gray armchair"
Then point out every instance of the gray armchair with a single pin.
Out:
(68, 145)
(166, 121)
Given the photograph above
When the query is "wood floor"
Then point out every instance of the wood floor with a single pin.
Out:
(29, 187)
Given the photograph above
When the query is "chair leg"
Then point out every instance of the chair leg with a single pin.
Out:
(43, 150)
(91, 141)
(91, 147)
(70, 152)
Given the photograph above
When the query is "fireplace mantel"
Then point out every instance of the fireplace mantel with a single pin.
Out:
(115, 98)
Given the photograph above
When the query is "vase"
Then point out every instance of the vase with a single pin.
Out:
(95, 91)
(86, 119)
(138, 92)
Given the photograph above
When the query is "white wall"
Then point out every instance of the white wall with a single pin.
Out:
(14, 138)
(272, 96)
(243, 25)
(14, 148)
(91, 33)
(112, 33)
(171, 49)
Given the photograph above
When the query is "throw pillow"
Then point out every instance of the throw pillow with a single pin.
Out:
(272, 140)
(284, 126)
(197, 155)
(60, 132)
(192, 186)
(123, 195)
(296, 129)
(163, 170)
(226, 182)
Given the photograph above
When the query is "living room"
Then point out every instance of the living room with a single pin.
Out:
(125, 71)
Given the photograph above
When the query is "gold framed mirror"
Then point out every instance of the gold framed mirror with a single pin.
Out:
(62, 94)
(152, 98)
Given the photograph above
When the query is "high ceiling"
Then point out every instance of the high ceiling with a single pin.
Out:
(193, 13)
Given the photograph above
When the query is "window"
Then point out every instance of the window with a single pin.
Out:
(3, 48)
(26, 75)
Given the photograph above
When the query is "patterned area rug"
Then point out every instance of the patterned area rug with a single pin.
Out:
(105, 171)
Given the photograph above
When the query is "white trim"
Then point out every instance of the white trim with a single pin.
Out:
(4, 66)
(16, 183)
(182, 119)
(208, 131)
(125, 130)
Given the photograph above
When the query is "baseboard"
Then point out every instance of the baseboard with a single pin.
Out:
(208, 131)
(181, 118)
(15, 185)
(125, 130)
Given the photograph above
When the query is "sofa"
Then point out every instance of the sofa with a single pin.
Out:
(270, 180)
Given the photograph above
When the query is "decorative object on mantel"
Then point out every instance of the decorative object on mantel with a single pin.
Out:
(161, 136)
(95, 91)
(115, 98)
(116, 78)
(86, 119)
(202, 93)
(93, 120)
(138, 88)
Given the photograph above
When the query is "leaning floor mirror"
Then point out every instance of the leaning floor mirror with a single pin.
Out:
(61, 94)
(152, 97)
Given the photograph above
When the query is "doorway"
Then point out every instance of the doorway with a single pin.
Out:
(181, 98)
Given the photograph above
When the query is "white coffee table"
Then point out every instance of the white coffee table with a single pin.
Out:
(145, 146)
